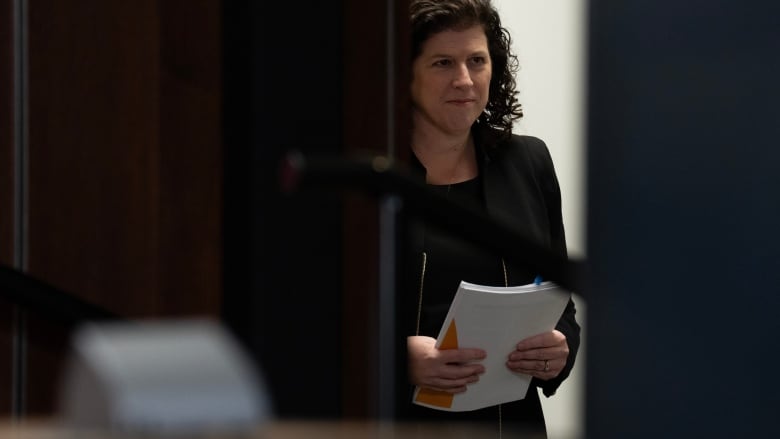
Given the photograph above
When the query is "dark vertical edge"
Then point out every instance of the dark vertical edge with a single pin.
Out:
(7, 210)
(402, 128)
(387, 230)
(7, 132)
(13, 197)
(236, 37)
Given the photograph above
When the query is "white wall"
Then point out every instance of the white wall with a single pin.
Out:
(549, 40)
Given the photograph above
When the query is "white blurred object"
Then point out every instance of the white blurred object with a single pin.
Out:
(162, 377)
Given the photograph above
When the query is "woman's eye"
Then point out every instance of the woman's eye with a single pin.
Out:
(478, 60)
(442, 63)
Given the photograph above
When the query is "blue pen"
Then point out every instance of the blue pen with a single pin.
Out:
(538, 279)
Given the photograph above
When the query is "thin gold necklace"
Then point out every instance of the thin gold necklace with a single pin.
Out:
(454, 172)
(457, 165)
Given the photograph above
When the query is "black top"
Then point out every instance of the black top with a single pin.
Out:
(450, 259)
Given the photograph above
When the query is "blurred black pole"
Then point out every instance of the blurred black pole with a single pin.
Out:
(387, 325)
(382, 177)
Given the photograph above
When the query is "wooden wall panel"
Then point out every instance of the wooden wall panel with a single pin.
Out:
(125, 169)
(191, 157)
(94, 139)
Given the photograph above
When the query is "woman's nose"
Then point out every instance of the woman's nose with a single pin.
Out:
(462, 77)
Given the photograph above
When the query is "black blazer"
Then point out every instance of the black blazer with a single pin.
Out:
(520, 187)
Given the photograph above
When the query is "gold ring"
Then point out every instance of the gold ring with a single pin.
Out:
(546, 365)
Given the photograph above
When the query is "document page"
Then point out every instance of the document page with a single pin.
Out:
(494, 319)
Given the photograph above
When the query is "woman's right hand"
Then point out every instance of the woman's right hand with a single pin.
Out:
(448, 370)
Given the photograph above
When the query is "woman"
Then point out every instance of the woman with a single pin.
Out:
(464, 104)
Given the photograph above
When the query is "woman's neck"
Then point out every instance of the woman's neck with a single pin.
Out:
(447, 159)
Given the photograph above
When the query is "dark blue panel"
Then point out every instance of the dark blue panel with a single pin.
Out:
(683, 239)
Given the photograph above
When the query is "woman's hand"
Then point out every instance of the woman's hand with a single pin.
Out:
(542, 356)
(449, 370)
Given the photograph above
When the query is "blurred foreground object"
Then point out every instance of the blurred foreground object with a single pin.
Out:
(161, 377)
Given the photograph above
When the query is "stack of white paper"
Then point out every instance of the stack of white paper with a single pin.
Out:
(494, 319)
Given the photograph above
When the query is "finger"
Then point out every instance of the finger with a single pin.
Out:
(543, 340)
(462, 355)
(524, 366)
(540, 354)
(457, 372)
(536, 368)
(451, 385)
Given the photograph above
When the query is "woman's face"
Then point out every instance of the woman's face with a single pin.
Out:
(451, 80)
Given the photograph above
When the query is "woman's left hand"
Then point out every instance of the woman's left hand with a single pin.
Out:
(542, 356)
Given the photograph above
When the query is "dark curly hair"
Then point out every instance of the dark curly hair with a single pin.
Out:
(429, 17)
